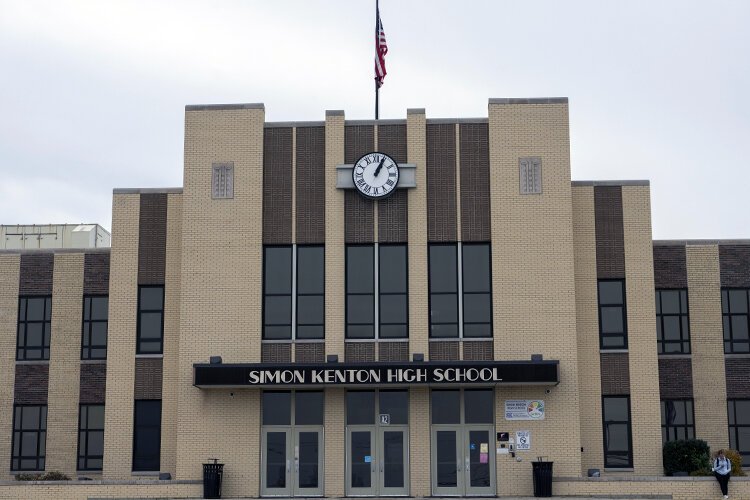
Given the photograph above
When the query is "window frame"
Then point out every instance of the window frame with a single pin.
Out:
(87, 324)
(624, 306)
(296, 294)
(660, 315)
(292, 407)
(457, 293)
(18, 434)
(628, 423)
(734, 428)
(464, 293)
(726, 319)
(83, 435)
(379, 294)
(135, 435)
(291, 295)
(44, 347)
(139, 340)
(668, 429)
(374, 294)
(462, 405)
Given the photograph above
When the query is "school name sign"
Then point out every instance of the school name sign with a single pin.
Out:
(376, 374)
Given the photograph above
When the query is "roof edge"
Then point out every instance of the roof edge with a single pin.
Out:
(168, 190)
(643, 182)
(528, 100)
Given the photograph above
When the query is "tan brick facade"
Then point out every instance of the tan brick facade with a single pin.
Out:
(547, 252)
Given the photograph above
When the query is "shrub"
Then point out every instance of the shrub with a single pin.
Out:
(47, 476)
(686, 455)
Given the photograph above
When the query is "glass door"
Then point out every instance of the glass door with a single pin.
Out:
(393, 477)
(361, 466)
(447, 462)
(479, 461)
(276, 459)
(308, 454)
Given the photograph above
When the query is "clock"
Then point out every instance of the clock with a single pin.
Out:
(375, 175)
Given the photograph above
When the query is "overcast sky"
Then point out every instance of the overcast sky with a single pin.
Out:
(92, 93)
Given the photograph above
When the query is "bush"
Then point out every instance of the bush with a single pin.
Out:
(47, 476)
(686, 455)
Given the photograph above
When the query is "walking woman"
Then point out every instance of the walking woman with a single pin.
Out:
(722, 469)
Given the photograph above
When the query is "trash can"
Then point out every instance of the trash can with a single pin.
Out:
(542, 472)
(212, 474)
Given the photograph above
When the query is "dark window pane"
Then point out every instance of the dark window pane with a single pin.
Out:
(658, 301)
(30, 418)
(152, 298)
(446, 407)
(360, 269)
(95, 417)
(393, 269)
(724, 302)
(309, 332)
(278, 270)
(737, 301)
(393, 309)
(476, 268)
(147, 435)
(276, 459)
(617, 437)
(444, 309)
(95, 443)
(35, 309)
(742, 410)
(395, 404)
(610, 292)
(444, 331)
(477, 308)
(477, 330)
(22, 309)
(310, 270)
(151, 325)
(671, 328)
(277, 408)
(615, 409)
(479, 406)
(34, 334)
(99, 333)
(360, 332)
(393, 331)
(446, 458)
(28, 444)
(360, 309)
(683, 302)
(443, 272)
(99, 308)
(612, 320)
(308, 408)
(670, 302)
(277, 332)
(361, 456)
(360, 407)
(278, 310)
(739, 328)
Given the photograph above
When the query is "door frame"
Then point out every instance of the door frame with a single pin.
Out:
(447, 491)
(382, 490)
(349, 489)
(492, 488)
(264, 489)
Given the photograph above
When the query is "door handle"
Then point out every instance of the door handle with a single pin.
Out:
(381, 466)
(467, 465)
(296, 465)
(374, 466)
(288, 466)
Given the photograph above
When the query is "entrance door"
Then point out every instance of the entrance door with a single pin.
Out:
(393, 471)
(307, 479)
(276, 477)
(463, 462)
(377, 461)
(361, 464)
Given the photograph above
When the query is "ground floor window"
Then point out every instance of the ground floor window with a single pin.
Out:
(739, 428)
(90, 437)
(147, 435)
(677, 419)
(29, 437)
(618, 447)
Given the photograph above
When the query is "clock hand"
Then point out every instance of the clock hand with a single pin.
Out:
(377, 170)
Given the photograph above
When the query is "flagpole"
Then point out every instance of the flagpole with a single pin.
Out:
(377, 88)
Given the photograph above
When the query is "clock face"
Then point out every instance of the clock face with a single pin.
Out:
(375, 175)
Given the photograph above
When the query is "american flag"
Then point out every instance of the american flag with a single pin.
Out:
(381, 49)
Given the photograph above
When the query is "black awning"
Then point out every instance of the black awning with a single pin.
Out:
(431, 373)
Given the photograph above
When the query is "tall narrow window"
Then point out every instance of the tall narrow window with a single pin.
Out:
(477, 290)
(147, 435)
(739, 428)
(672, 323)
(443, 291)
(90, 437)
(677, 419)
(310, 292)
(277, 293)
(34, 327)
(393, 292)
(613, 329)
(360, 292)
(29, 437)
(736, 316)
(618, 442)
(150, 320)
(94, 337)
